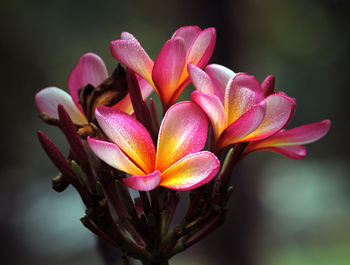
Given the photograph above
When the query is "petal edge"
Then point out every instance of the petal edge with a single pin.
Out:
(143, 183)
(190, 172)
(48, 99)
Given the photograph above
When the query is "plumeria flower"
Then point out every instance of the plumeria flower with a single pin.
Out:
(176, 164)
(168, 74)
(237, 107)
(242, 110)
(90, 69)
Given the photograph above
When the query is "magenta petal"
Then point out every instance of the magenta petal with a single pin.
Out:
(297, 136)
(89, 70)
(220, 76)
(243, 91)
(214, 109)
(301, 135)
(183, 131)
(268, 85)
(199, 54)
(243, 126)
(168, 68)
(295, 152)
(190, 172)
(145, 87)
(143, 183)
(188, 33)
(200, 79)
(202, 47)
(132, 55)
(288, 142)
(279, 110)
(130, 136)
(113, 156)
(48, 99)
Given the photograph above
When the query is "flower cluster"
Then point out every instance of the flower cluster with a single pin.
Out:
(132, 148)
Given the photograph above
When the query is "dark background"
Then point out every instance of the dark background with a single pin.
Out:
(282, 212)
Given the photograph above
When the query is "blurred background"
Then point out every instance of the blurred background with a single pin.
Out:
(282, 212)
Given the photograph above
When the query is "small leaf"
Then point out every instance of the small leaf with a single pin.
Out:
(78, 172)
(227, 159)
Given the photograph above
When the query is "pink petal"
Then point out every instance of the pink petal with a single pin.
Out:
(268, 85)
(125, 104)
(130, 136)
(113, 156)
(128, 36)
(243, 92)
(145, 87)
(243, 126)
(183, 131)
(288, 142)
(279, 110)
(144, 183)
(220, 76)
(190, 172)
(200, 79)
(297, 136)
(48, 99)
(132, 55)
(295, 152)
(188, 33)
(168, 67)
(199, 54)
(214, 109)
(304, 134)
(89, 70)
(202, 47)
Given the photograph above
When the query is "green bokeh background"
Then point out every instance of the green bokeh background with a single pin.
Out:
(282, 212)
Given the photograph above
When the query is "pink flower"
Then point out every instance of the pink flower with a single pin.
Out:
(237, 107)
(168, 74)
(89, 70)
(176, 164)
(242, 110)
